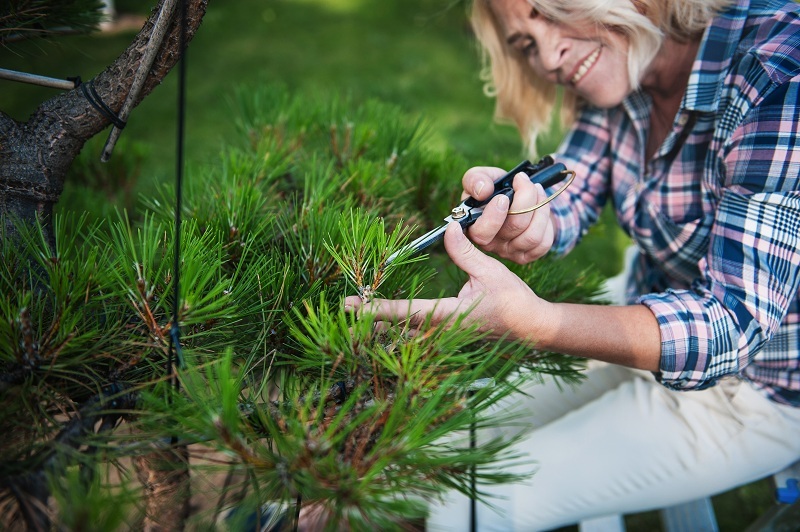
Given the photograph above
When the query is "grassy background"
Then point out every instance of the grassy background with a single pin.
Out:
(417, 54)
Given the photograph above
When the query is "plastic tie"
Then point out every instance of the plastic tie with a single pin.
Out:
(97, 102)
(175, 336)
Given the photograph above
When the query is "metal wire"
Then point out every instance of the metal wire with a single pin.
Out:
(175, 351)
(550, 198)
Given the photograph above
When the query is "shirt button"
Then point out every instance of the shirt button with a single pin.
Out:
(683, 119)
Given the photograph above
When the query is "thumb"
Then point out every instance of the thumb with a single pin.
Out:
(464, 253)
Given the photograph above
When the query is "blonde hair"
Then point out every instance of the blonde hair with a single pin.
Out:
(528, 101)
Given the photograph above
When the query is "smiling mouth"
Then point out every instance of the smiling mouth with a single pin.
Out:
(587, 64)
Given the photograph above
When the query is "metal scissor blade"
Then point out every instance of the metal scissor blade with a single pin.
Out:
(426, 240)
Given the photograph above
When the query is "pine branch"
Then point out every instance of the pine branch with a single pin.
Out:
(362, 250)
(25, 19)
(30, 488)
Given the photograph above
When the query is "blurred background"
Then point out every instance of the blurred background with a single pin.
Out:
(416, 54)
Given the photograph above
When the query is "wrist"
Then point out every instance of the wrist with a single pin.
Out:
(535, 322)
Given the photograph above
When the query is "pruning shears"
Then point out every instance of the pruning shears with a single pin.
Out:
(546, 172)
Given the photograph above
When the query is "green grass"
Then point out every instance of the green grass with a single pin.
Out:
(417, 54)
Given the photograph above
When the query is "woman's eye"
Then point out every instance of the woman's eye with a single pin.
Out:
(529, 48)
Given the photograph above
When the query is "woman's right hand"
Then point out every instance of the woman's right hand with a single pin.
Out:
(521, 238)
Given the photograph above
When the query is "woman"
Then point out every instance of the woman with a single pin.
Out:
(684, 115)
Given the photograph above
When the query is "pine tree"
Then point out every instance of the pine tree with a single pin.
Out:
(284, 400)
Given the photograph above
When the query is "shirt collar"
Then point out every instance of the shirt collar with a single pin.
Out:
(720, 40)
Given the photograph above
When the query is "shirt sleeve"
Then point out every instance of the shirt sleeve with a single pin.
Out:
(579, 207)
(751, 272)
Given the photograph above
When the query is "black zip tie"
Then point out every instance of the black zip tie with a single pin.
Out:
(175, 343)
(94, 98)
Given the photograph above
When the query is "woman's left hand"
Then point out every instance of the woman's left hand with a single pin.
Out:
(500, 301)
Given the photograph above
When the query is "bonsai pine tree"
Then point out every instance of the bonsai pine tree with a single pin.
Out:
(282, 403)
(285, 405)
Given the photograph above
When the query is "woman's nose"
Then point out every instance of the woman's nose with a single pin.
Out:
(552, 50)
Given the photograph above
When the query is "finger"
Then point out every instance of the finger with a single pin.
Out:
(466, 256)
(352, 303)
(496, 227)
(525, 196)
(538, 237)
(494, 216)
(380, 327)
(413, 311)
(541, 217)
(478, 182)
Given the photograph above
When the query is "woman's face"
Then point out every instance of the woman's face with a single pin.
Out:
(587, 59)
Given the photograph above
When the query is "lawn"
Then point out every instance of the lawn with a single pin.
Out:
(417, 54)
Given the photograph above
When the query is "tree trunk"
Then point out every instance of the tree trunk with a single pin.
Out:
(165, 477)
(35, 155)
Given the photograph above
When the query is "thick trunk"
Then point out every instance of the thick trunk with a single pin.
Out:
(35, 155)
(165, 476)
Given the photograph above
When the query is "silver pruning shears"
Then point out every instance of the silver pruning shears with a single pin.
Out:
(547, 172)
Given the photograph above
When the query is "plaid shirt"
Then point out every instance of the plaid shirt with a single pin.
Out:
(716, 211)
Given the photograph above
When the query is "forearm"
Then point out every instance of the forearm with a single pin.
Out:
(625, 335)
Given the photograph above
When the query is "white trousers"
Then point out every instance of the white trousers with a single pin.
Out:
(622, 443)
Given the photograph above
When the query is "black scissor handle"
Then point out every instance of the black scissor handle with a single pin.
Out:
(546, 172)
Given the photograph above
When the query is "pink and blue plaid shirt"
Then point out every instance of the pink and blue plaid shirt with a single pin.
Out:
(716, 211)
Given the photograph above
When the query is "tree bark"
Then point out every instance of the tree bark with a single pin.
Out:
(35, 155)
(165, 477)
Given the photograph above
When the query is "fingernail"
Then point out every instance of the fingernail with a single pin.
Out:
(478, 187)
(502, 202)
